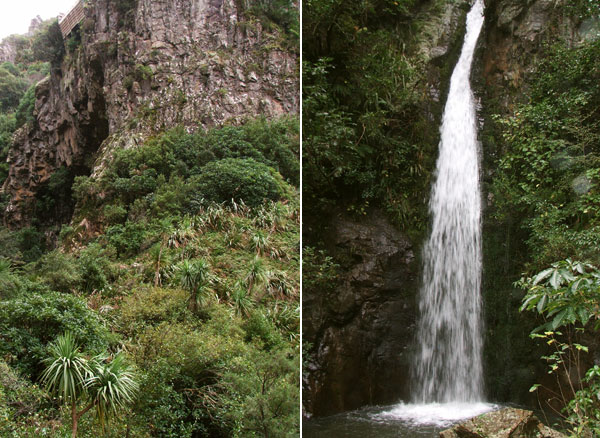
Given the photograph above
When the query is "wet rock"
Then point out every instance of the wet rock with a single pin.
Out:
(505, 423)
(361, 332)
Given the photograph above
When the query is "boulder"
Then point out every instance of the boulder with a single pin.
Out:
(505, 423)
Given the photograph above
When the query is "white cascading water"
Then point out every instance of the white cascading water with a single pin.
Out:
(448, 372)
(448, 367)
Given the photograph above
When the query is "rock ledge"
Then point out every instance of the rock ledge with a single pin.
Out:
(505, 423)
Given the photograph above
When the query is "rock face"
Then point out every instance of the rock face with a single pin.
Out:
(513, 37)
(160, 64)
(505, 423)
(365, 326)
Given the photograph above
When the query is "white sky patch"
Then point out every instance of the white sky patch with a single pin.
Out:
(16, 15)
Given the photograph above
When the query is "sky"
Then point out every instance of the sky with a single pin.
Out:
(15, 15)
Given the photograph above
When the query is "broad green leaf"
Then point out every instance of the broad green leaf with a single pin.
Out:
(542, 275)
(542, 303)
(558, 319)
(555, 280)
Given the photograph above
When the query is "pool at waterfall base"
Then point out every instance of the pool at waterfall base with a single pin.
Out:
(402, 420)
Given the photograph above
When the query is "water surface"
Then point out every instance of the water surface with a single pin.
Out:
(398, 421)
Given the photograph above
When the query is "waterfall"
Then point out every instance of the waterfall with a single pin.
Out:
(448, 366)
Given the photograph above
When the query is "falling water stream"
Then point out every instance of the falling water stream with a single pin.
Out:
(448, 372)
(448, 367)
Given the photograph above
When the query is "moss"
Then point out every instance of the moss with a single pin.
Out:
(143, 73)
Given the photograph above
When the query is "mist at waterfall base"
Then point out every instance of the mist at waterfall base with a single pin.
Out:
(398, 421)
(447, 371)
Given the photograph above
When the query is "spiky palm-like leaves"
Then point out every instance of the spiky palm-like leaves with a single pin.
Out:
(280, 285)
(259, 242)
(106, 385)
(241, 300)
(67, 369)
(111, 386)
(258, 274)
(195, 276)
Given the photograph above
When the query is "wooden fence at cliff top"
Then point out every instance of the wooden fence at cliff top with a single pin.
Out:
(72, 19)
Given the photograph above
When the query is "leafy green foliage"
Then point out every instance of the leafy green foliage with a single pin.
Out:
(126, 238)
(568, 292)
(26, 106)
(48, 44)
(584, 410)
(583, 8)
(366, 139)
(547, 178)
(59, 271)
(30, 322)
(567, 295)
(12, 87)
(143, 248)
(284, 13)
(258, 401)
(23, 405)
(174, 173)
(238, 179)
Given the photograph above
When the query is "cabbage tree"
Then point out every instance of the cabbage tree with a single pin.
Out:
(106, 385)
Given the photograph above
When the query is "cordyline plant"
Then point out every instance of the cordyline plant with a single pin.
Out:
(102, 384)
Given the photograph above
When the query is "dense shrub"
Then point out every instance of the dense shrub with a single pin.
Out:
(7, 128)
(31, 243)
(152, 305)
(126, 238)
(262, 394)
(12, 87)
(59, 271)
(260, 329)
(28, 323)
(238, 179)
(549, 172)
(367, 140)
(48, 44)
(20, 402)
(95, 267)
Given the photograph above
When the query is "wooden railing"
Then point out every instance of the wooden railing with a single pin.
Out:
(72, 19)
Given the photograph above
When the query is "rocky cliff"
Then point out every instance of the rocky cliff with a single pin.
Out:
(364, 327)
(139, 67)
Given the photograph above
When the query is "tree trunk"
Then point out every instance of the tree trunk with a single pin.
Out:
(75, 418)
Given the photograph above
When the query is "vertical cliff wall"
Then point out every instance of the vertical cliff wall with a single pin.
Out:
(142, 67)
